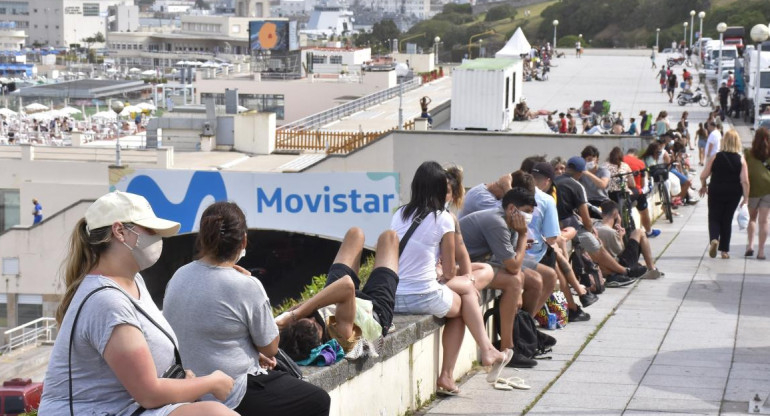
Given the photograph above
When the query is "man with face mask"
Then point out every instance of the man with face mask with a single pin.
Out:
(499, 236)
(596, 178)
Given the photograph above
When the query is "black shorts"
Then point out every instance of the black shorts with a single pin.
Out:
(380, 289)
(277, 393)
(549, 258)
(630, 254)
(640, 198)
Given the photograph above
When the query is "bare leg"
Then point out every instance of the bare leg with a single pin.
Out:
(751, 227)
(470, 311)
(565, 289)
(206, 408)
(644, 215)
(763, 229)
(548, 279)
(644, 245)
(350, 250)
(606, 262)
(533, 288)
(511, 285)
(451, 340)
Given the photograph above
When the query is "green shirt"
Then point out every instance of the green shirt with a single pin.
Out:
(759, 176)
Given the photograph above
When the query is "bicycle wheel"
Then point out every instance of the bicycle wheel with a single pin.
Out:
(665, 201)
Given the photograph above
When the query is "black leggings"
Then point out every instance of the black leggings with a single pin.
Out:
(279, 394)
(721, 210)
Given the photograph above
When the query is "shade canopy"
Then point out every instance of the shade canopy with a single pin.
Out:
(516, 46)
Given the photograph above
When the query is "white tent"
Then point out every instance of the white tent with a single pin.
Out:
(515, 47)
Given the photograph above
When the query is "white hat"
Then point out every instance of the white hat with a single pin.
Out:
(130, 208)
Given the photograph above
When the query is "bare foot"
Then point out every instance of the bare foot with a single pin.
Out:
(491, 356)
(446, 383)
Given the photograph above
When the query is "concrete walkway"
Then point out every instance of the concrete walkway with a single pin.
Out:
(696, 341)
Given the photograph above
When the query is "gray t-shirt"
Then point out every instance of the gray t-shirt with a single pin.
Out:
(486, 232)
(219, 316)
(592, 191)
(95, 388)
(478, 198)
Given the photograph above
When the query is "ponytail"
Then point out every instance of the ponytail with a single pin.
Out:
(222, 227)
(85, 249)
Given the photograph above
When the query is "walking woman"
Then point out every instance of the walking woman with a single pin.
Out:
(223, 319)
(758, 163)
(729, 180)
(113, 341)
(702, 136)
(419, 291)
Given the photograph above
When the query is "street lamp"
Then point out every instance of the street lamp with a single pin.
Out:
(701, 15)
(684, 41)
(759, 34)
(480, 41)
(692, 25)
(555, 23)
(721, 27)
(657, 38)
(117, 107)
(436, 40)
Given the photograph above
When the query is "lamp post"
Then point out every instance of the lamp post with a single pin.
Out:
(684, 41)
(657, 38)
(555, 23)
(759, 34)
(480, 53)
(701, 16)
(721, 27)
(436, 40)
(692, 25)
(117, 107)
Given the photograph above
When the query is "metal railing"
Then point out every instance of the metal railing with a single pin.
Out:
(354, 106)
(39, 330)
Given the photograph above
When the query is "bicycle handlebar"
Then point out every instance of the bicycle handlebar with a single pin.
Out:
(633, 172)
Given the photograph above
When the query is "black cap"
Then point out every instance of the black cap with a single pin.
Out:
(543, 169)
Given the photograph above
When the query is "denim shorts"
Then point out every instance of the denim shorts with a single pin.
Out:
(680, 176)
(436, 303)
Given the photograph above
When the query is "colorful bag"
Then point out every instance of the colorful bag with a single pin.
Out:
(557, 305)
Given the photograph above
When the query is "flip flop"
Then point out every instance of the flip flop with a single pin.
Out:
(502, 386)
(440, 391)
(497, 368)
(514, 382)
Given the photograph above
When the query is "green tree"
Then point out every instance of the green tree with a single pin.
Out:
(97, 38)
(501, 12)
(457, 8)
(384, 30)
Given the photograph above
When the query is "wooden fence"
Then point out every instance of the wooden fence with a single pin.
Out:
(330, 142)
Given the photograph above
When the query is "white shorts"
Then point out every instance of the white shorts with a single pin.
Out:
(436, 303)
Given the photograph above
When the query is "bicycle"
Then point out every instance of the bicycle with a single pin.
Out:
(624, 201)
(659, 175)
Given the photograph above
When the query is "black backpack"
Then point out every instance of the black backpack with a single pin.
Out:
(587, 271)
(527, 339)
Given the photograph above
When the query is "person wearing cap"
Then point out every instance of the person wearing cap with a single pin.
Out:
(113, 344)
(545, 231)
(572, 207)
(237, 334)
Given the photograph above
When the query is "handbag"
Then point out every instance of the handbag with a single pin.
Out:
(284, 363)
(176, 370)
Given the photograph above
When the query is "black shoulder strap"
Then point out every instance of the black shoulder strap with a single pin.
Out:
(405, 239)
(177, 356)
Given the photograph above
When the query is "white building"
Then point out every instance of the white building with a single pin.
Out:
(412, 8)
(57, 22)
(294, 7)
(335, 60)
(172, 6)
(123, 18)
(329, 21)
(11, 39)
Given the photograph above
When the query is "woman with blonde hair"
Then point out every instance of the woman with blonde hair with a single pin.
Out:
(115, 353)
(729, 180)
(758, 163)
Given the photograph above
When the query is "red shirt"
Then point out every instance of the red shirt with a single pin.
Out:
(563, 125)
(635, 164)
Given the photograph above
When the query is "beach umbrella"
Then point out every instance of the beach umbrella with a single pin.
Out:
(35, 107)
(149, 73)
(146, 106)
(7, 112)
(106, 115)
(127, 110)
(134, 70)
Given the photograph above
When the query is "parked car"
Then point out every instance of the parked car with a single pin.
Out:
(19, 395)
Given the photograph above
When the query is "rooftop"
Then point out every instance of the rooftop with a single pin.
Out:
(84, 88)
(490, 64)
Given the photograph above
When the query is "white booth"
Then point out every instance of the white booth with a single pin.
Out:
(484, 94)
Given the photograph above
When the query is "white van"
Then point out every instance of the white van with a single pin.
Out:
(729, 55)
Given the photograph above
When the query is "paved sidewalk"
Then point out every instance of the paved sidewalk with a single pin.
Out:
(696, 341)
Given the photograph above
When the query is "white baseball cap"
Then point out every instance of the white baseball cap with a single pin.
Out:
(129, 208)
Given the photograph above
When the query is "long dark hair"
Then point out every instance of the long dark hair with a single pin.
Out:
(223, 228)
(651, 151)
(428, 190)
(760, 146)
(616, 156)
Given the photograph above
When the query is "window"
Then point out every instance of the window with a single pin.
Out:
(3, 310)
(14, 404)
(335, 59)
(236, 29)
(319, 59)
(91, 9)
(29, 308)
(9, 208)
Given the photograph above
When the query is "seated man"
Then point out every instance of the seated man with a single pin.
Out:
(611, 234)
(632, 130)
(572, 208)
(485, 196)
(360, 317)
(499, 235)
(595, 178)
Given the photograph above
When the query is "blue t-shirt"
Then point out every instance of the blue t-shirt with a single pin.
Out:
(545, 224)
(38, 214)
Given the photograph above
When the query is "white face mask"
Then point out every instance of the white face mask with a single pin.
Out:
(147, 250)
(527, 217)
(590, 165)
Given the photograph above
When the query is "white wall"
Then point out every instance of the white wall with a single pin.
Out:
(418, 62)
(255, 133)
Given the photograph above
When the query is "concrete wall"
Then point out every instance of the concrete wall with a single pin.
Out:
(255, 133)
(418, 62)
(404, 151)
